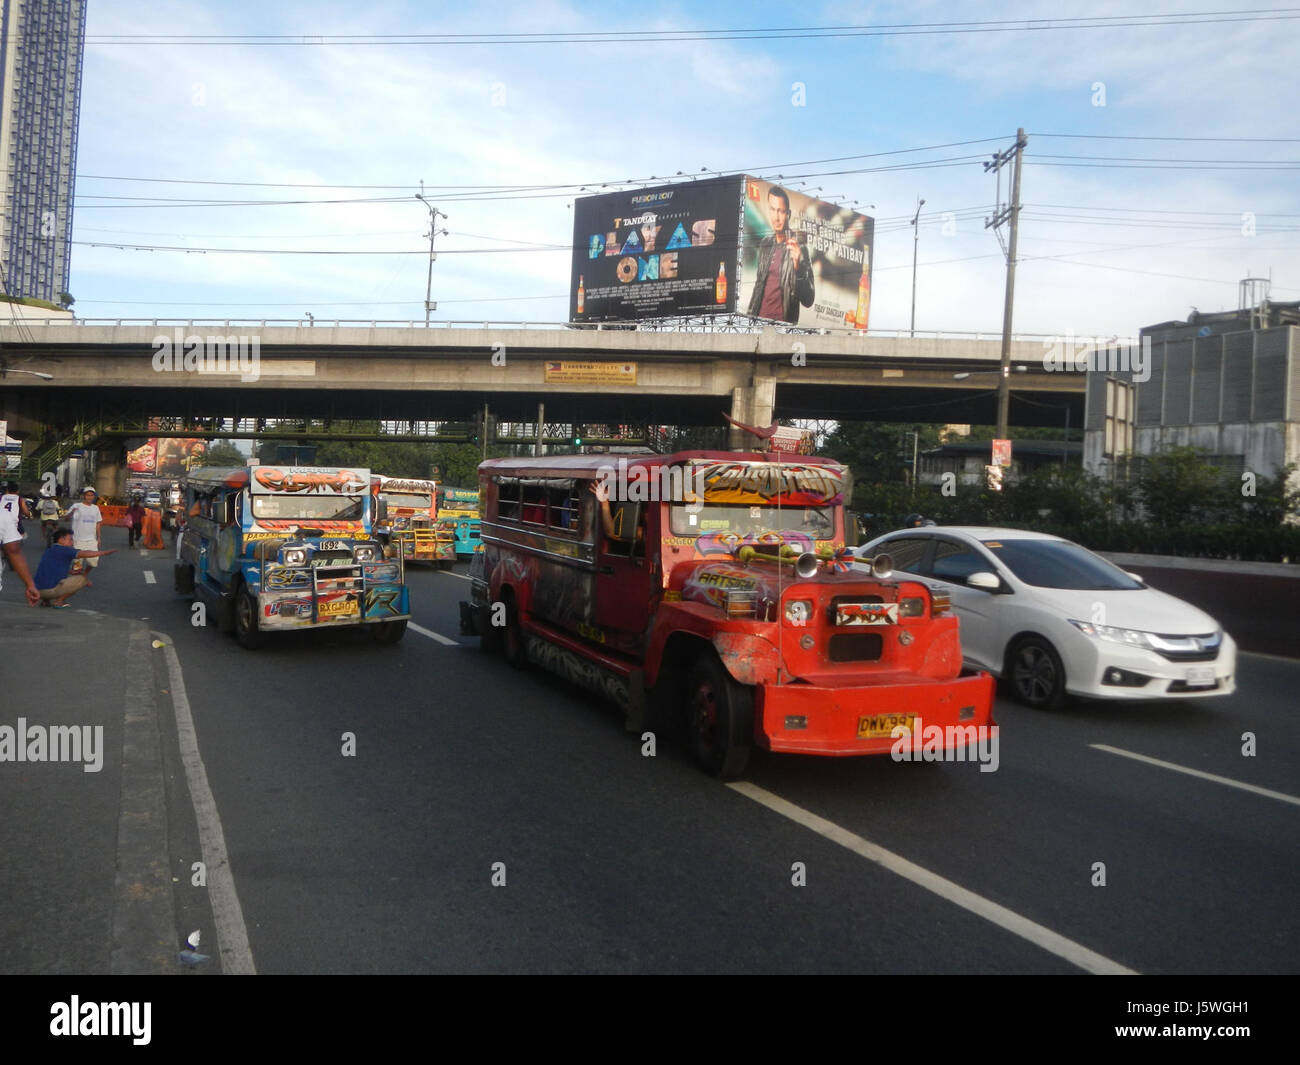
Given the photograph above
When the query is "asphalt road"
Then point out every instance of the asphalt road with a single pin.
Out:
(466, 771)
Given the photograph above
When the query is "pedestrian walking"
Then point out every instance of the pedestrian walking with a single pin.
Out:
(134, 522)
(11, 546)
(86, 520)
(48, 509)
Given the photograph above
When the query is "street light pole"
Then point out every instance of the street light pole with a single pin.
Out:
(915, 237)
(433, 232)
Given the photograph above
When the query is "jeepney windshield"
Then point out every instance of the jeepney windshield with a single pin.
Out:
(309, 507)
(417, 501)
(744, 519)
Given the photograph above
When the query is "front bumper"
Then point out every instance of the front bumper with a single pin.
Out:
(817, 719)
(1097, 669)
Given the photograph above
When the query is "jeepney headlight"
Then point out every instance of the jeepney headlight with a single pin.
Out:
(911, 607)
(364, 553)
(295, 556)
(798, 612)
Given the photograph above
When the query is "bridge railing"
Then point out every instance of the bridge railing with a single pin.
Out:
(392, 323)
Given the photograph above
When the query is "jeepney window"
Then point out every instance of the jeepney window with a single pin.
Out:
(533, 504)
(564, 505)
(629, 531)
(508, 498)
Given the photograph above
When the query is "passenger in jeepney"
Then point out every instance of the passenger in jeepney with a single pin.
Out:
(634, 544)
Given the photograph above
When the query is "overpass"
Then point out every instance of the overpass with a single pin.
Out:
(111, 373)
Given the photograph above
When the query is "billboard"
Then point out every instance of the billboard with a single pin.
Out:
(731, 245)
(804, 261)
(166, 456)
(655, 253)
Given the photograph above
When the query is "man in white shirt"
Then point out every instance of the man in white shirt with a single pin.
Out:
(11, 543)
(86, 519)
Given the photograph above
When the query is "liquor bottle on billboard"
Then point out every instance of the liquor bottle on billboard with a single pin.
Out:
(720, 288)
(582, 294)
(864, 295)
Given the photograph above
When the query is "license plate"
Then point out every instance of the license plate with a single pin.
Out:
(883, 725)
(1200, 677)
(338, 608)
(866, 614)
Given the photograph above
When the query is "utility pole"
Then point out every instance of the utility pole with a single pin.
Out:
(429, 306)
(1011, 212)
(915, 237)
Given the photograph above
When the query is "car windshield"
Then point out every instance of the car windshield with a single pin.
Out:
(310, 508)
(745, 520)
(1058, 564)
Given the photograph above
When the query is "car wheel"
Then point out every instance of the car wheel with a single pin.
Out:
(1037, 675)
(246, 630)
(720, 718)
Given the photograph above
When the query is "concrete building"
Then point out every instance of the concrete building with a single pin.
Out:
(1226, 383)
(41, 45)
(967, 460)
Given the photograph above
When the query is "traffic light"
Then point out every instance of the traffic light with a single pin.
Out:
(576, 439)
(476, 430)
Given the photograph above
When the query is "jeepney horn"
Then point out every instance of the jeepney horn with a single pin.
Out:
(882, 565)
(806, 566)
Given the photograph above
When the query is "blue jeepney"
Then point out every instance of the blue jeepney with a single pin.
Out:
(277, 548)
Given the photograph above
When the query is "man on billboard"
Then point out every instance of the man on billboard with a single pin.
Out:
(784, 275)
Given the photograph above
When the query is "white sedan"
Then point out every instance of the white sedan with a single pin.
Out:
(1049, 617)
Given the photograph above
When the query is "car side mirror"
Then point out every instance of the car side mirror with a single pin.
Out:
(1137, 577)
(988, 581)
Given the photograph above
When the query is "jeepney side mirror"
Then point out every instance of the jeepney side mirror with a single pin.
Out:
(381, 509)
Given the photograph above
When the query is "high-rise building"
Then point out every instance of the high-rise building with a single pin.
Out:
(41, 47)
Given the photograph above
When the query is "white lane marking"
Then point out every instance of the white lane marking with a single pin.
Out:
(431, 634)
(149, 578)
(232, 933)
(452, 573)
(1281, 796)
(1272, 658)
(1050, 941)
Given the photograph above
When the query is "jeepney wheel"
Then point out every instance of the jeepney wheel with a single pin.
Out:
(513, 641)
(246, 630)
(1037, 675)
(720, 718)
(388, 631)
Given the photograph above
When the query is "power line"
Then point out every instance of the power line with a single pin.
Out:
(784, 33)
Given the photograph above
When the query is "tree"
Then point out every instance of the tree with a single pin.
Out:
(1178, 486)
(222, 453)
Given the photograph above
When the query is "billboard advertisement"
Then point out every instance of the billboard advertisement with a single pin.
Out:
(804, 261)
(165, 456)
(730, 245)
(655, 253)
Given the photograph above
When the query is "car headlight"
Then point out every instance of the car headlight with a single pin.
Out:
(364, 553)
(1111, 634)
(295, 556)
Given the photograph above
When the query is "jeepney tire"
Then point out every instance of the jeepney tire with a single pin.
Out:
(446, 563)
(388, 631)
(514, 644)
(1035, 674)
(183, 579)
(246, 630)
(719, 718)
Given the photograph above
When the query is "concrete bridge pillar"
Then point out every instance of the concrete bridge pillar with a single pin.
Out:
(110, 473)
(754, 406)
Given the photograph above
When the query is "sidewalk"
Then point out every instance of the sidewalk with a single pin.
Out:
(85, 879)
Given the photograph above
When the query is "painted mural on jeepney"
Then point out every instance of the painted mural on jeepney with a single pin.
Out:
(287, 607)
(379, 571)
(383, 601)
(725, 543)
(770, 484)
(281, 577)
(308, 480)
(712, 584)
(565, 595)
(274, 528)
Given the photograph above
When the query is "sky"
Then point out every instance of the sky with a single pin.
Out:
(1160, 167)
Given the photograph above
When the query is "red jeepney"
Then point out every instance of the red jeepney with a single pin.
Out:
(718, 585)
